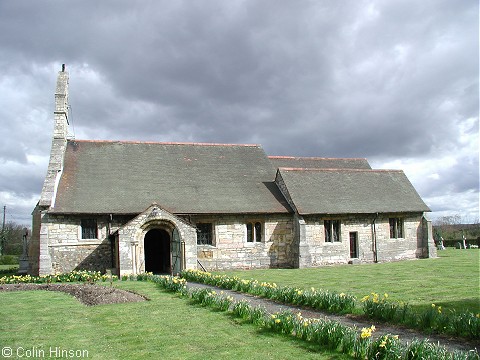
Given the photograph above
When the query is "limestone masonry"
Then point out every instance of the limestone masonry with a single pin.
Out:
(131, 207)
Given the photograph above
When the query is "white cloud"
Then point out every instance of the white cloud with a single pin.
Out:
(394, 81)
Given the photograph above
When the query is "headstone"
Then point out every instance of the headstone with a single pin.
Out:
(23, 262)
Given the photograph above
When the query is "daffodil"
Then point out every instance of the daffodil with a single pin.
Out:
(366, 333)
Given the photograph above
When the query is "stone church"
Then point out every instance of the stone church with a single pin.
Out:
(162, 207)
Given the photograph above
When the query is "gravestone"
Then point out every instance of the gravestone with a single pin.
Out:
(23, 262)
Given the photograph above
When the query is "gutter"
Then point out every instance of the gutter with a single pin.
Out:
(374, 229)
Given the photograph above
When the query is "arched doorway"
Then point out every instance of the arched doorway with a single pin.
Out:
(157, 251)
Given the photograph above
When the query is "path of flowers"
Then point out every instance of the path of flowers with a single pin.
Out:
(405, 335)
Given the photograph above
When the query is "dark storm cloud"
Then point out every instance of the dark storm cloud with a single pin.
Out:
(379, 79)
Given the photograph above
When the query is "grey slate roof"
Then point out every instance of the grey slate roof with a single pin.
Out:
(184, 178)
(318, 163)
(347, 191)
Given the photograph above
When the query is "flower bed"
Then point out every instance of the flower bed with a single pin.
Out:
(333, 335)
(374, 306)
(74, 276)
(435, 319)
(316, 299)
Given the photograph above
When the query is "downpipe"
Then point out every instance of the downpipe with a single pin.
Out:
(374, 229)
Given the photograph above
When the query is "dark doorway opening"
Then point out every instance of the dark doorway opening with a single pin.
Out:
(354, 245)
(157, 252)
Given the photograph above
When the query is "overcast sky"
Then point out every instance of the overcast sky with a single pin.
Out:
(394, 81)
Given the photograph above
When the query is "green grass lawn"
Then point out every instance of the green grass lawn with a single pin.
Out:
(451, 280)
(4, 267)
(8, 270)
(166, 327)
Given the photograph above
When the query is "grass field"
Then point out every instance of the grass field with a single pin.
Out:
(452, 280)
(8, 270)
(3, 267)
(166, 327)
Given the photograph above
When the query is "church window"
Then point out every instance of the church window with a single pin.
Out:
(89, 229)
(254, 232)
(332, 231)
(396, 228)
(204, 234)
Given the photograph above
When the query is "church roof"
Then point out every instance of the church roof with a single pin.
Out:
(350, 191)
(183, 178)
(319, 162)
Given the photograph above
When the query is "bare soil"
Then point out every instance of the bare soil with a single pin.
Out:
(92, 294)
(88, 294)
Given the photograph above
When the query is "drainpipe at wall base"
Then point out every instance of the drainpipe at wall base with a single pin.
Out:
(374, 225)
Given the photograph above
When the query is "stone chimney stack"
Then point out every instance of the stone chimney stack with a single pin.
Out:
(61, 106)
(59, 141)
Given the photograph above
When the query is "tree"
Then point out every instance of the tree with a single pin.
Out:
(11, 237)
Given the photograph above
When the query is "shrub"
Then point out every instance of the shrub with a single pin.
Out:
(9, 271)
(8, 260)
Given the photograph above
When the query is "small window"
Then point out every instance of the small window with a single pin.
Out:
(332, 230)
(258, 232)
(204, 234)
(249, 232)
(89, 229)
(254, 232)
(396, 228)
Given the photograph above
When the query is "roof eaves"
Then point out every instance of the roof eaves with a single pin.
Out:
(339, 170)
(164, 143)
(310, 158)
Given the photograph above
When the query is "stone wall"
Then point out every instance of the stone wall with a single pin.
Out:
(399, 249)
(96, 256)
(287, 241)
(369, 237)
(230, 249)
(61, 247)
